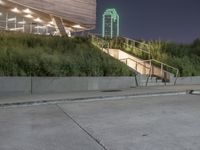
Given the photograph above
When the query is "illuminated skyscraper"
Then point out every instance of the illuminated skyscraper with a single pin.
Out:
(110, 27)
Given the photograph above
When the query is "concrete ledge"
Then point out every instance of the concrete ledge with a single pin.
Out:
(42, 85)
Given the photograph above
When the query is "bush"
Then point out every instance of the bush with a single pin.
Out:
(23, 54)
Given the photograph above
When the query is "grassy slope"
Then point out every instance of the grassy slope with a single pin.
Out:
(34, 55)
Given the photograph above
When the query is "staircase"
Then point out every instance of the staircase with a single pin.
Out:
(60, 28)
(151, 72)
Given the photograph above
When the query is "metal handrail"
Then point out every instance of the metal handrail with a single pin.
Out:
(147, 52)
(162, 65)
(150, 60)
(135, 41)
(139, 62)
(142, 50)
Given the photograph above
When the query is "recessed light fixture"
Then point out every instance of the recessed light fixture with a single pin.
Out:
(51, 22)
(38, 20)
(28, 16)
(2, 2)
(16, 10)
(77, 26)
(28, 11)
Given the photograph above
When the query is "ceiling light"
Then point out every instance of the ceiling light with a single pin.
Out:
(28, 16)
(51, 22)
(2, 2)
(77, 26)
(38, 20)
(28, 11)
(1, 14)
(16, 10)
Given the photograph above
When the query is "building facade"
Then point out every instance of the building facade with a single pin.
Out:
(110, 27)
(48, 16)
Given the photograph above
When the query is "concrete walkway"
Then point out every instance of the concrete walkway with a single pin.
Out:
(95, 95)
(139, 123)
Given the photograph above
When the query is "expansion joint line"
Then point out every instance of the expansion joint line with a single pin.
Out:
(87, 132)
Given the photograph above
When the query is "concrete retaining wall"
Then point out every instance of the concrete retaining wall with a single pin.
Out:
(40, 85)
(188, 80)
(15, 85)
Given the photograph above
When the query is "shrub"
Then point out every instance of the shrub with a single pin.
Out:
(23, 54)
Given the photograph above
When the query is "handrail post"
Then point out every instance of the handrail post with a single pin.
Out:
(177, 72)
(102, 45)
(151, 69)
(149, 54)
(136, 66)
(134, 46)
(161, 69)
(127, 41)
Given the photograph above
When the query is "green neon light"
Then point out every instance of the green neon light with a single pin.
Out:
(114, 20)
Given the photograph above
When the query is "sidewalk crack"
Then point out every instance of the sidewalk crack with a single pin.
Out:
(83, 129)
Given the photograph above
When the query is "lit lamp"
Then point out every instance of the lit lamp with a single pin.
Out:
(38, 20)
(2, 2)
(77, 26)
(15, 10)
(28, 16)
(27, 11)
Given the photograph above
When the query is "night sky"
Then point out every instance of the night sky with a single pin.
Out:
(171, 20)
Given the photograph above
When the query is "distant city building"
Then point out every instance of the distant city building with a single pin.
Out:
(110, 27)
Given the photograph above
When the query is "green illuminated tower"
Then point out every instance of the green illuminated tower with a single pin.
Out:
(110, 27)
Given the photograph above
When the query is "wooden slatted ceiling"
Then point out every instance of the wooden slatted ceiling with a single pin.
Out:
(78, 11)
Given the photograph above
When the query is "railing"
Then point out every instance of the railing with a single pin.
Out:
(134, 44)
(157, 68)
(145, 69)
(162, 69)
(153, 70)
(136, 64)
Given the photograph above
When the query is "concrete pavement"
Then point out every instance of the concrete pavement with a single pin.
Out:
(140, 123)
(153, 123)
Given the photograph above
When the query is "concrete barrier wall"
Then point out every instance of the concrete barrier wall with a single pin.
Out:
(15, 85)
(56, 85)
(42, 85)
(188, 80)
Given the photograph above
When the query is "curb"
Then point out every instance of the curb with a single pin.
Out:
(89, 99)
